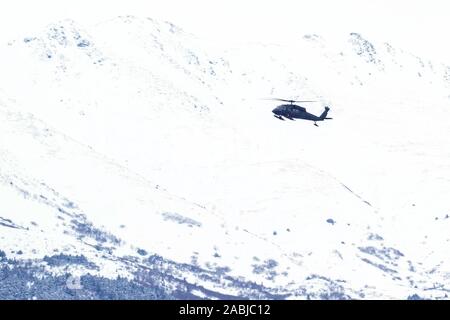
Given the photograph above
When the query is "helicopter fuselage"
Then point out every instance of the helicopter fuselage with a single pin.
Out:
(292, 111)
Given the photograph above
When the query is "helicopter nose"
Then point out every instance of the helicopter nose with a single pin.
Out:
(276, 111)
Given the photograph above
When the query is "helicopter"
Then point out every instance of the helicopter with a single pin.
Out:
(292, 111)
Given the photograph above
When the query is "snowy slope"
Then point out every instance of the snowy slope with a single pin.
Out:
(138, 146)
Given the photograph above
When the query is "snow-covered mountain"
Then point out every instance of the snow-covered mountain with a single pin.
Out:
(141, 162)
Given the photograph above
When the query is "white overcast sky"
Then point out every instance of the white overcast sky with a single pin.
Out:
(421, 26)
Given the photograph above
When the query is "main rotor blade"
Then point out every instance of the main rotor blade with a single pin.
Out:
(291, 101)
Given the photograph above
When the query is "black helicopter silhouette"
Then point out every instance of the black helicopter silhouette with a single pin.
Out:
(292, 111)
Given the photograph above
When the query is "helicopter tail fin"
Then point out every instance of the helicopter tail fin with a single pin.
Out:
(323, 116)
